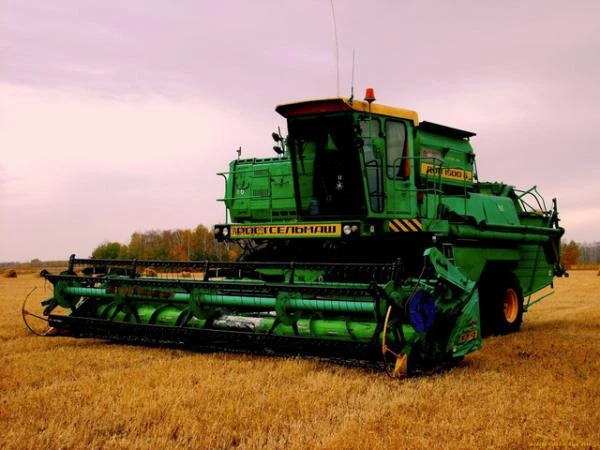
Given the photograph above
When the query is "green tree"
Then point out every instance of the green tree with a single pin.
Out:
(124, 252)
(107, 250)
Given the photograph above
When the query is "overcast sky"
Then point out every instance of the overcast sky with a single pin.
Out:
(115, 116)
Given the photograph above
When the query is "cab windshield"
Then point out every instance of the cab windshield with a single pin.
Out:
(326, 165)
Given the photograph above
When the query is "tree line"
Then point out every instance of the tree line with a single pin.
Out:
(200, 244)
(590, 253)
(197, 244)
(580, 253)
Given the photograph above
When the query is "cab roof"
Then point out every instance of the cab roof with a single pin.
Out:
(339, 104)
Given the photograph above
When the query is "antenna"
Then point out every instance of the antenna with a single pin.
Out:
(352, 82)
(337, 52)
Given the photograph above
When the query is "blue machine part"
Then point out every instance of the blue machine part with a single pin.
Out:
(421, 311)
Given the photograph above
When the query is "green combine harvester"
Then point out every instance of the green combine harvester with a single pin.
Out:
(368, 236)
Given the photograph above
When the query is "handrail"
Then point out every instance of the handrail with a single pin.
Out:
(379, 191)
(533, 192)
(436, 178)
(224, 175)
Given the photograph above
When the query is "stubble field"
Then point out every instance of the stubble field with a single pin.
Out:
(539, 388)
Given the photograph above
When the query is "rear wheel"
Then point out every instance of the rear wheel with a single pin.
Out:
(501, 304)
(510, 306)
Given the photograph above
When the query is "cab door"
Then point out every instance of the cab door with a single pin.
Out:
(401, 198)
(373, 148)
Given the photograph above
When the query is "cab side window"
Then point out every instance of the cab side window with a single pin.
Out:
(395, 135)
(369, 128)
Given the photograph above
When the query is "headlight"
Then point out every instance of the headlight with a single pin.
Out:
(347, 230)
(225, 231)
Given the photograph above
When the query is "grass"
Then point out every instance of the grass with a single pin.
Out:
(535, 389)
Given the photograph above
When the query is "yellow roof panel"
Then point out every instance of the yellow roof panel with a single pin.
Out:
(344, 104)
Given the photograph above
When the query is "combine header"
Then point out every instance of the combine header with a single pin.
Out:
(369, 236)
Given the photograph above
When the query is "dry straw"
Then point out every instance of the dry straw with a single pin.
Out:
(537, 389)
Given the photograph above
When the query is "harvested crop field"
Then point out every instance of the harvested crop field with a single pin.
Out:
(539, 388)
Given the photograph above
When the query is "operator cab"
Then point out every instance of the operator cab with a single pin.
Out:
(343, 155)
